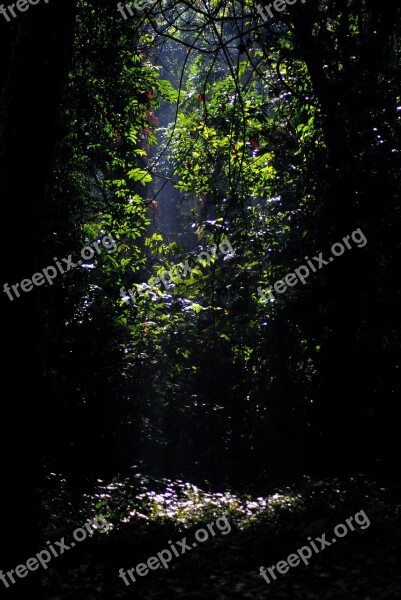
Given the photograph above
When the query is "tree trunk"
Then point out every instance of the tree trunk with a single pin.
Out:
(35, 52)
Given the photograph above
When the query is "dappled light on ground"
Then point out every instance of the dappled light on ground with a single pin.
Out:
(146, 513)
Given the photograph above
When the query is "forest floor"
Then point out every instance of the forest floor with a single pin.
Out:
(145, 515)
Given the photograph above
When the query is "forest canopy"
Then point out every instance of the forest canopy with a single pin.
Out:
(193, 124)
